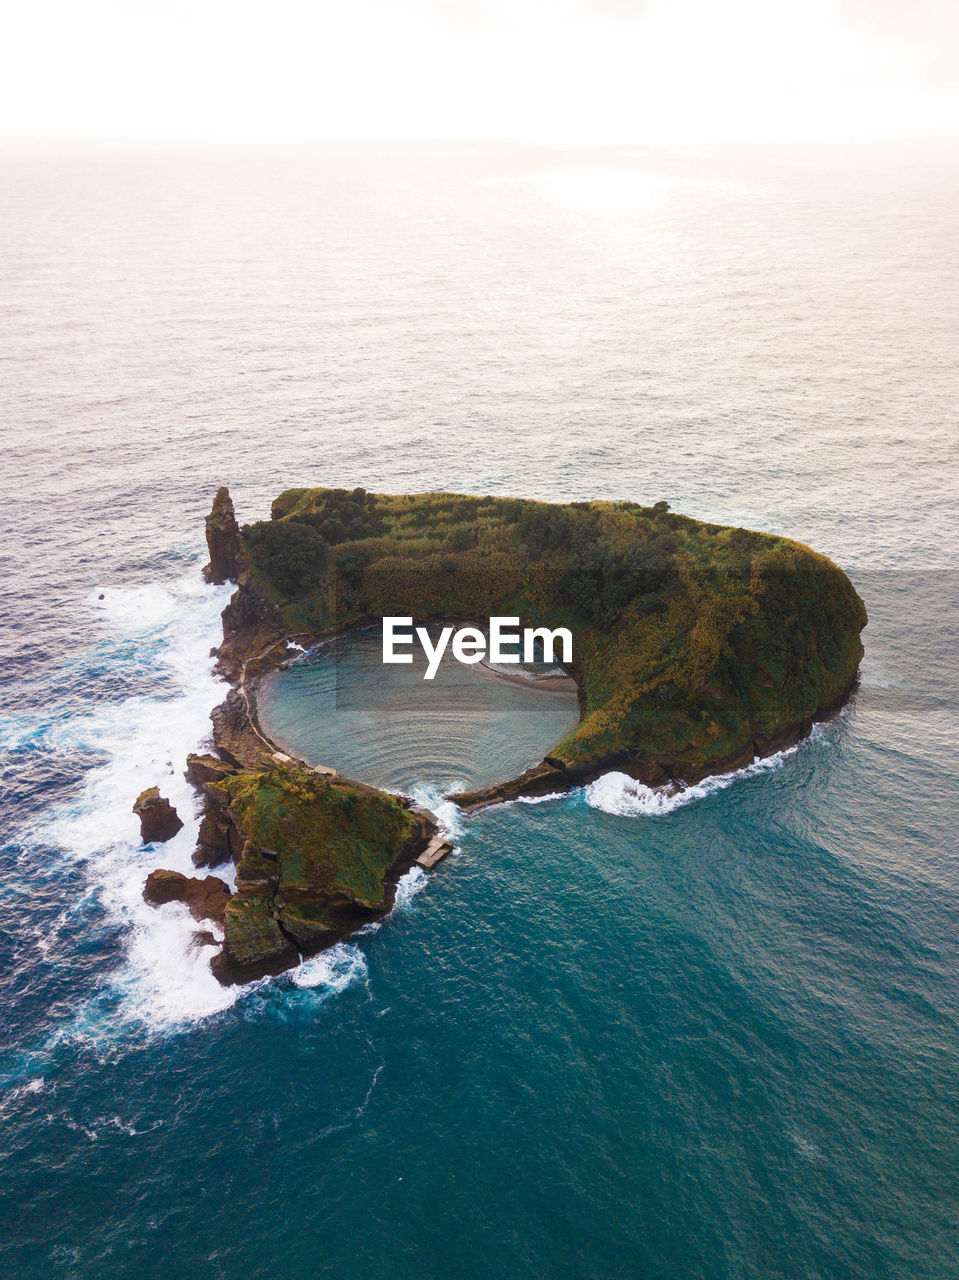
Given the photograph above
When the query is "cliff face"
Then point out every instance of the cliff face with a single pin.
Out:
(223, 540)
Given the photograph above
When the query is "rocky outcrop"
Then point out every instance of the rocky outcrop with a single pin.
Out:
(315, 860)
(541, 780)
(159, 820)
(223, 540)
(316, 856)
(216, 839)
(207, 899)
(253, 631)
(257, 946)
(217, 842)
(201, 769)
(236, 737)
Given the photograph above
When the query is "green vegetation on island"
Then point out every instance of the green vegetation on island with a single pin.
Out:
(317, 857)
(696, 645)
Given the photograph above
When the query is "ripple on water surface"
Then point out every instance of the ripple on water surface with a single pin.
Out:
(340, 705)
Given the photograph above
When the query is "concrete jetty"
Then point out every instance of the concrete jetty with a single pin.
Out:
(435, 852)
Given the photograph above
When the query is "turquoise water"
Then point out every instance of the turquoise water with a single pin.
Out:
(343, 707)
(716, 1039)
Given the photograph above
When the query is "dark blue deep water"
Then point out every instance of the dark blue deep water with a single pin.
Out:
(607, 1038)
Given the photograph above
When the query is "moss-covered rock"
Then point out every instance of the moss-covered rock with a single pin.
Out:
(256, 873)
(254, 944)
(332, 839)
(319, 858)
(313, 925)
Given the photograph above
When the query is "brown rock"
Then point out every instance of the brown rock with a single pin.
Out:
(223, 540)
(207, 898)
(541, 780)
(206, 768)
(214, 845)
(158, 819)
(234, 734)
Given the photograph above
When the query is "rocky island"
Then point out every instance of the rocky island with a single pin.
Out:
(698, 647)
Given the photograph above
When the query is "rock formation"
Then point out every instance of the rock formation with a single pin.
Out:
(207, 898)
(223, 540)
(316, 858)
(158, 819)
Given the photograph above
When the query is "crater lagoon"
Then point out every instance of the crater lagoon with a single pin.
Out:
(340, 705)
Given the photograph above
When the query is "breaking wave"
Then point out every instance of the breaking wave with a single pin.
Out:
(619, 794)
(141, 741)
(331, 971)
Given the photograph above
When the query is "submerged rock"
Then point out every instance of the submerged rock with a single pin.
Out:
(159, 820)
(207, 898)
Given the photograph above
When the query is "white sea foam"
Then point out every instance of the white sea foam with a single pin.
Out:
(12, 1095)
(110, 1122)
(165, 980)
(332, 971)
(448, 816)
(553, 795)
(408, 886)
(135, 609)
(619, 794)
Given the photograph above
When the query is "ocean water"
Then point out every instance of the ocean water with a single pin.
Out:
(609, 1037)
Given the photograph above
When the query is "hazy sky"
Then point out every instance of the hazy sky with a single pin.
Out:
(540, 70)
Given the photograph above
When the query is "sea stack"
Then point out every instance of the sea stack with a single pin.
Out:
(206, 898)
(159, 820)
(222, 539)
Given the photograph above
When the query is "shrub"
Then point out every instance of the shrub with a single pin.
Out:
(291, 555)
